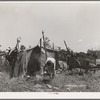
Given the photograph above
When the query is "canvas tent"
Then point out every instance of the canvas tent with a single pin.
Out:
(28, 61)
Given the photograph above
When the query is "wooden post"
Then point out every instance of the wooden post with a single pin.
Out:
(44, 44)
(65, 45)
(18, 41)
(40, 42)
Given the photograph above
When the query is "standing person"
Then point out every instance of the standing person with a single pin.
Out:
(12, 57)
(50, 66)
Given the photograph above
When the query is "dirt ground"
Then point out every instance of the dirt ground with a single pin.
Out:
(61, 83)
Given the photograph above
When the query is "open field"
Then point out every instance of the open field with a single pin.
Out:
(61, 83)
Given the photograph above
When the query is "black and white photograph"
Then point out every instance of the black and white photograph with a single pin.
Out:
(49, 47)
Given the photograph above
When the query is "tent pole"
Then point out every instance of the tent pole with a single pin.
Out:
(65, 45)
(40, 42)
(44, 44)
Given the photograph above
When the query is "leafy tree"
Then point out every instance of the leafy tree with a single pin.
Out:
(92, 53)
(47, 43)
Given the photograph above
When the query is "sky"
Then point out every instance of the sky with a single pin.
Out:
(78, 23)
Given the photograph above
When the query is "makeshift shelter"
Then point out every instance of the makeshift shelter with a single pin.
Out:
(32, 61)
(28, 61)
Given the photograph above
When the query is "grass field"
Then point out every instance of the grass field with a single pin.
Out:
(61, 83)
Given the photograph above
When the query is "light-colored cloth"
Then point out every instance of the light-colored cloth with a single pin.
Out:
(63, 65)
(25, 59)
